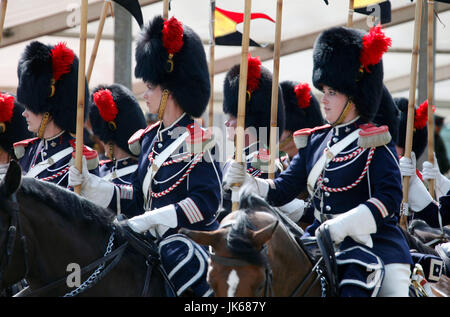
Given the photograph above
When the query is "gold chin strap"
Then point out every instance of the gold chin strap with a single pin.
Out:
(344, 113)
(286, 141)
(162, 105)
(43, 125)
(111, 151)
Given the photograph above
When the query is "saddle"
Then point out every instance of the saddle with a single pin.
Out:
(427, 234)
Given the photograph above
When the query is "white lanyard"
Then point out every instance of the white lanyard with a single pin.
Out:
(42, 166)
(326, 157)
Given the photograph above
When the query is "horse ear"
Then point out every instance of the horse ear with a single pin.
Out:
(12, 179)
(261, 236)
(202, 237)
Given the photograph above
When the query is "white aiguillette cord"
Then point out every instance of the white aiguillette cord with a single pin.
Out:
(159, 160)
(328, 155)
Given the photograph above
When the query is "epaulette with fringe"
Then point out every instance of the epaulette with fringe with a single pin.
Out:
(134, 142)
(199, 139)
(19, 147)
(90, 154)
(261, 161)
(372, 136)
(301, 136)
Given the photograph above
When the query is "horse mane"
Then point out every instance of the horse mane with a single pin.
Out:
(238, 238)
(67, 203)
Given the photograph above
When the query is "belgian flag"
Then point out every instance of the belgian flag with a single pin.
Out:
(225, 31)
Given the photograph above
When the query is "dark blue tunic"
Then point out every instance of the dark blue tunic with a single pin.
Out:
(36, 151)
(346, 185)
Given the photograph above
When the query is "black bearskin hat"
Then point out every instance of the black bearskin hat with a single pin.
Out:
(420, 134)
(301, 106)
(48, 82)
(259, 97)
(388, 113)
(171, 54)
(349, 61)
(115, 114)
(13, 126)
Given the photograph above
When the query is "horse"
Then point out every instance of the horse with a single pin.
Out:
(53, 238)
(427, 234)
(254, 254)
(422, 238)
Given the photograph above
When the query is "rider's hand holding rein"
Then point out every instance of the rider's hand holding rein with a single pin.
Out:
(93, 188)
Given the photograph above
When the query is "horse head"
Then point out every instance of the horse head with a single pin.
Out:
(12, 257)
(239, 264)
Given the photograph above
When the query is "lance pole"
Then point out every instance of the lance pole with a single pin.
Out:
(211, 63)
(4, 3)
(430, 90)
(410, 118)
(81, 90)
(351, 5)
(240, 135)
(274, 106)
(107, 5)
(166, 9)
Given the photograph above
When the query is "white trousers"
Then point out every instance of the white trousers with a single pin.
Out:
(396, 280)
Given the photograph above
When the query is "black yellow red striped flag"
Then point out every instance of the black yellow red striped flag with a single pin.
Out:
(225, 27)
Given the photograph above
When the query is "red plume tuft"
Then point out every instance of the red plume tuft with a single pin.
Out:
(172, 35)
(6, 107)
(253, 73)
(303, 97)
(62, 60)
(421, 116)
(375, 44)
(105, 103)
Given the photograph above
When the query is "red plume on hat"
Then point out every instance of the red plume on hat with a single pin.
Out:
(253, 73)
(421, 116)
(107, 108)
(172, 35)
(6, 107)
(302, 91)
(62, 60)
(375, 44)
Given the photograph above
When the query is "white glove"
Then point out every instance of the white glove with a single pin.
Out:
(418, 195)
(408, 165)
(237, 174)
(431, 171)
(93, 188)
(358, 223)
(294, 209)
(158, 221)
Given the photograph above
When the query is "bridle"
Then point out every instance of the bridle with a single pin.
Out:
(231, 261)
(100, 264)
(13, 229)
(268, 289)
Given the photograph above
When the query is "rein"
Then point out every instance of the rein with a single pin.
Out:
(14, 228)
(95, 277)
(229, 261)
(101, 271)
(293, 230)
